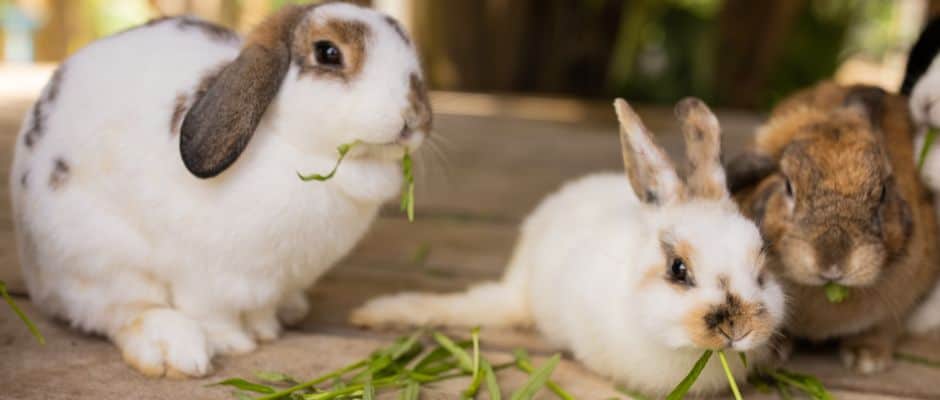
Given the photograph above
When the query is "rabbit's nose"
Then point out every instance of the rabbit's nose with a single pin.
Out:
(831, 274)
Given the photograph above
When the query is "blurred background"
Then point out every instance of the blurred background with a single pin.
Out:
(736, 53)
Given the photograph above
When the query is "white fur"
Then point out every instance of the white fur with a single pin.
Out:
(925, 111)
(588, 271)
(131, 231)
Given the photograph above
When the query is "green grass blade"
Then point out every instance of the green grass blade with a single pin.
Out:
(929, 138)
(463, 359)
(343, 149)
(242, 384)
(492, 385)
(275, 377)
(411, 392)
(836, 293)
(679, 392)
(19, 312)
(368, 391)
(743, 358)
(537, 380)
(524, 363)
(475, 338)
(731, 382)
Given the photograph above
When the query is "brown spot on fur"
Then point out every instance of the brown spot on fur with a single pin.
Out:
(213, 31)
(681, 250)
(349, 36)
(419, 115)
(714, 326)
(398, 29)
(59, 175)
(40, 110)
(179, 109)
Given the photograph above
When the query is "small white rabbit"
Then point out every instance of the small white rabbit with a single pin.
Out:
(635, 288)
(143, 213)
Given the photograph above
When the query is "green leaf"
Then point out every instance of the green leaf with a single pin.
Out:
(343, 149)
(525, 364)
(408, 187)
(420, 256)
(242, 384)
(412, 391)
(16, 310)
(368, 391)
(274, 377)
(241, 395)
(492, 386)
(929, 138)
(836, 293)
(463, 359)
(731, 382)
(687, 382)
(537, 380)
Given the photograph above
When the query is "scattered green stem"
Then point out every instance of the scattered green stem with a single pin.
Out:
(731, 382)
(929, 138)
(525, 364)
(342, 149)
(306, 385)
(19, 312)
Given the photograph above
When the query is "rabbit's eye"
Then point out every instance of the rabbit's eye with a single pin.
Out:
(884, 194)
(327, 54)
(679, 273)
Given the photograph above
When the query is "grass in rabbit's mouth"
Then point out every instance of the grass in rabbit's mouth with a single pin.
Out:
(404, 367)
(930, 137)
(16, 310)
(407, 168)
(836, 293)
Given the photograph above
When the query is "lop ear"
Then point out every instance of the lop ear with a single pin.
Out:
(223, 119)
(651, 173)
(703, 149)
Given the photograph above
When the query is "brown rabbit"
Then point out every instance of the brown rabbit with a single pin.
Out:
(831, 182)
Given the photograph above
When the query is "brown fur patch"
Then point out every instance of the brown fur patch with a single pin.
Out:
(349, 36)
(681, 250)
(398, 29)
(40, 110)
(179, 109)
(59, 174)
(212, 31)
(714, 326)
(419, 114)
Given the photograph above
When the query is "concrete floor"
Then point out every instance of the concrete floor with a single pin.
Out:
(493, 166)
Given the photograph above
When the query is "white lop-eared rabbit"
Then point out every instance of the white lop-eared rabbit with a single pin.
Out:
(155, 185)
(922, 84)
(636, 283)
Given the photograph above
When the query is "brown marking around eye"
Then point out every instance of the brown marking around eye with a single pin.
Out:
(41, 109)
(59, 175)
(349, 36)
(420, 114)
(679, 250)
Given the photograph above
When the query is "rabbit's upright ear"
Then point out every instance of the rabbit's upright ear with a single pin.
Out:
(703, 149)
(651, 173)
(223, 119)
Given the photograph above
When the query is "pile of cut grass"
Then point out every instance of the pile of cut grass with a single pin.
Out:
(405, 367)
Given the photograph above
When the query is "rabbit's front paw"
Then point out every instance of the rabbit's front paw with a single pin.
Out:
(164, 342)
(229, 339)
(865, 358)
(263, 324)
(293, 308)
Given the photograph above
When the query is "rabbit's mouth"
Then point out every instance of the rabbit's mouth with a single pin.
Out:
(408, 141)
